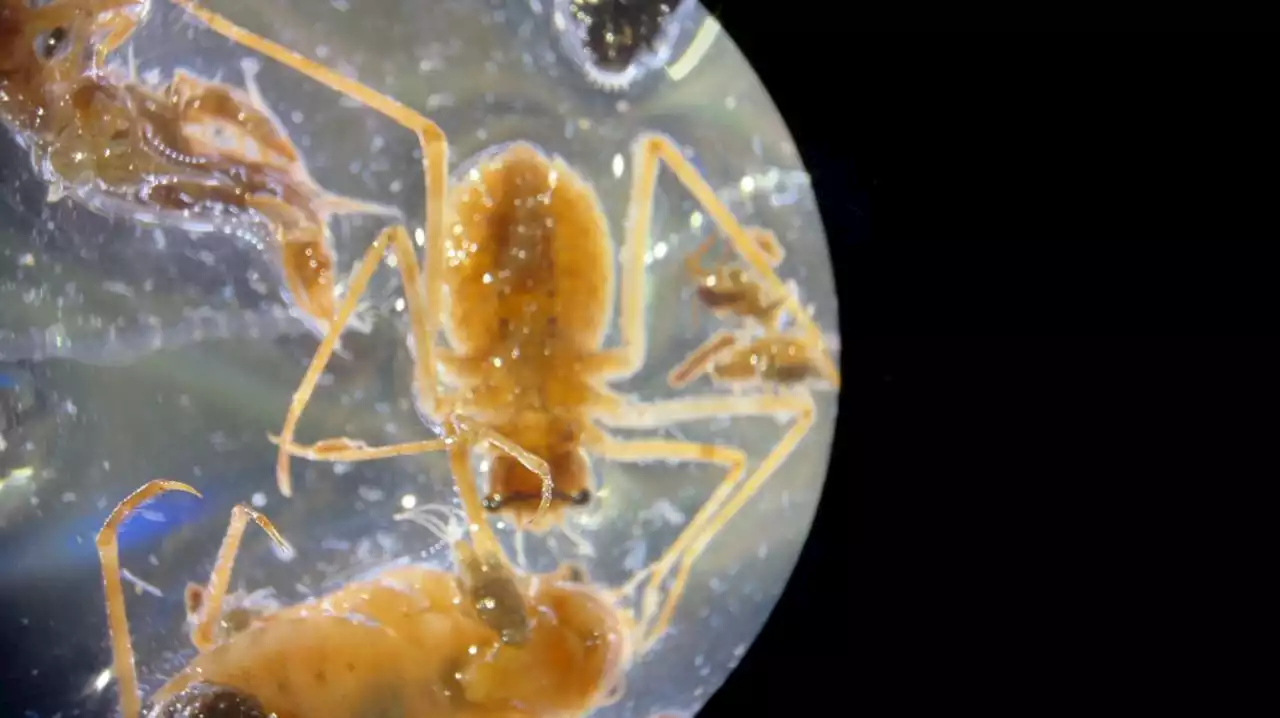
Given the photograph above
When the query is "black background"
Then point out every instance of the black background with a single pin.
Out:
(1056, 265)
(1057, 292)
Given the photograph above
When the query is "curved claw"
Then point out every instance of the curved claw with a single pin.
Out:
(117, 622)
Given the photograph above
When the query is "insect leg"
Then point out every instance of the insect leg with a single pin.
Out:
(210, 611)
(355, 290)
(712, 517)
(699, 360)
(122, 19)
(628, 357)
(117, 622)
(759, 251)
(612, 449)
(465, 479)
(435, 165)
(344, 449)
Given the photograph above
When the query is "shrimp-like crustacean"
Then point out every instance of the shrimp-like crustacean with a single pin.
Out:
(195, 154)
(520, 275)
(487, 641)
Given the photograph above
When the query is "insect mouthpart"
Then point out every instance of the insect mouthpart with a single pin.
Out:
(208, 700)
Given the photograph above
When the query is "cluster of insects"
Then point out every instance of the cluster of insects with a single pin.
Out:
(517, 272)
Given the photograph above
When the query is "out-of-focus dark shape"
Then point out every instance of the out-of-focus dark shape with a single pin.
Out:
(19, 400)
(204, 700)
(617, 42)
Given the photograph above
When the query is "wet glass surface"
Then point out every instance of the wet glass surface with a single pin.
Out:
(131, 352)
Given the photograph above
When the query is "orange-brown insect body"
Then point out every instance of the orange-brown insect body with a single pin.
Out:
(407, 642)
(411, 641)
(528, 289)
(777, 360)
(729, 290)
(516, 270)
(194, 153)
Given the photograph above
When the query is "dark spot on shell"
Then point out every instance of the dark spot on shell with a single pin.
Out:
(52, 44)
(207, 700)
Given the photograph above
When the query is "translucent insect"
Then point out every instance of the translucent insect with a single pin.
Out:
(760, 350)
(413, 641)
(519, 274)
(194, 154)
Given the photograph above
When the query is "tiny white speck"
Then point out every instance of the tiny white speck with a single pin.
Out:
(619, 165)
(297, 116)
(259, 500)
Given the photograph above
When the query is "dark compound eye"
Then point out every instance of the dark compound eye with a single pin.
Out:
(51, 44)
(205, 700)
(492, 502)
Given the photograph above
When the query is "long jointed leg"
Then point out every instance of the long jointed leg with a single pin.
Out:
(482, 535)
(422, 291)
(629, 357)
(210, 611)
(117, 622)
(435, 165)
(611, 449)
(343, 449)
(713, 516)
(398, 239)
(698, 361)
(649, 148)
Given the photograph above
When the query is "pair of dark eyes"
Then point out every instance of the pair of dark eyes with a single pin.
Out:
(52, 44)
(496, 502)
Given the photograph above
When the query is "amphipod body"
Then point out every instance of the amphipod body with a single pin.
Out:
(411, 642)
(518, 275)
(194, 153)
(528, 292)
